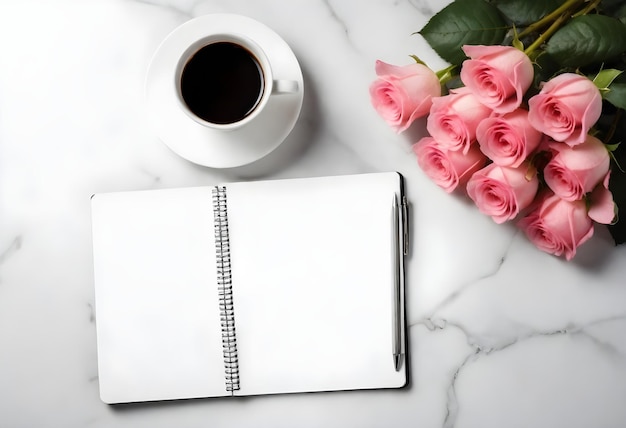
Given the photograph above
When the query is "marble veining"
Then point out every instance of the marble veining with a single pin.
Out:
(12, 248)
(501, 334)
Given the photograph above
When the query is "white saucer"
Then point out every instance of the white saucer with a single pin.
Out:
(207, 146)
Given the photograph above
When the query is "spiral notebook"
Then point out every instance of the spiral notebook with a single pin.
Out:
(266, 287)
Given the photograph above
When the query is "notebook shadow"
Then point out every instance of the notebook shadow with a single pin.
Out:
(221, 401)
(162, 404)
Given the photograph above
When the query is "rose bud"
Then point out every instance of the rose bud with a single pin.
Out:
(402, 94)
(574, 171)
(566, 108)
(498, 75)
(502, 192)
(508, 139)
(557, 226)
(454, 118)
(448, 169)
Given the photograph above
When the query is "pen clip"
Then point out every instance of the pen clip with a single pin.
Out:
(405, 225)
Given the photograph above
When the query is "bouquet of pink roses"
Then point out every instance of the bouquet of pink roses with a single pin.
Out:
(527, 118)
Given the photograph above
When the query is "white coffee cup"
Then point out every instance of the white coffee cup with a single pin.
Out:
(192, 127)
(224, 81)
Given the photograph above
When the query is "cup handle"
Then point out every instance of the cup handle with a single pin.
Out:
(284, 87)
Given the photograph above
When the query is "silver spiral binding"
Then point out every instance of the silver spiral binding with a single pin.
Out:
(225, 290)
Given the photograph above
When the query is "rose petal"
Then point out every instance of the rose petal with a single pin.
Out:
(602, 206)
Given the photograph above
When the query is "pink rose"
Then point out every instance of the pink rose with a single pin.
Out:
(454, 118)
(575, 171)
(601, 205)
(502, 192)
(508, 139)
(557, 226)
(498, 75)
(447, 168)
(566, 108)
(402, 94)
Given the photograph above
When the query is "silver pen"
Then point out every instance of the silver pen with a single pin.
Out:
(398, 251)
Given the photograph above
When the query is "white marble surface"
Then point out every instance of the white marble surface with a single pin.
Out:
(501, 334)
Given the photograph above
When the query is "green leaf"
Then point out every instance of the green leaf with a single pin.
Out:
(464, 22)
(587, 39)
(447, 74)
(517, 43)
(524, 12)
(418, 60)
(612, 147)
(605, 77)
(616, 95)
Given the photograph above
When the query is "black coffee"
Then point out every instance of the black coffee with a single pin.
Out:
(222, 83)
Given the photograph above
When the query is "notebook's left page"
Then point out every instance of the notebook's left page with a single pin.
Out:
(157, 311)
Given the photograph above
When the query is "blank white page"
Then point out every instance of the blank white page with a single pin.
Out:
(157, 308)
(312, 263)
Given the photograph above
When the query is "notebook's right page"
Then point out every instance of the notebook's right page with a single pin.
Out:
(313, 276)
